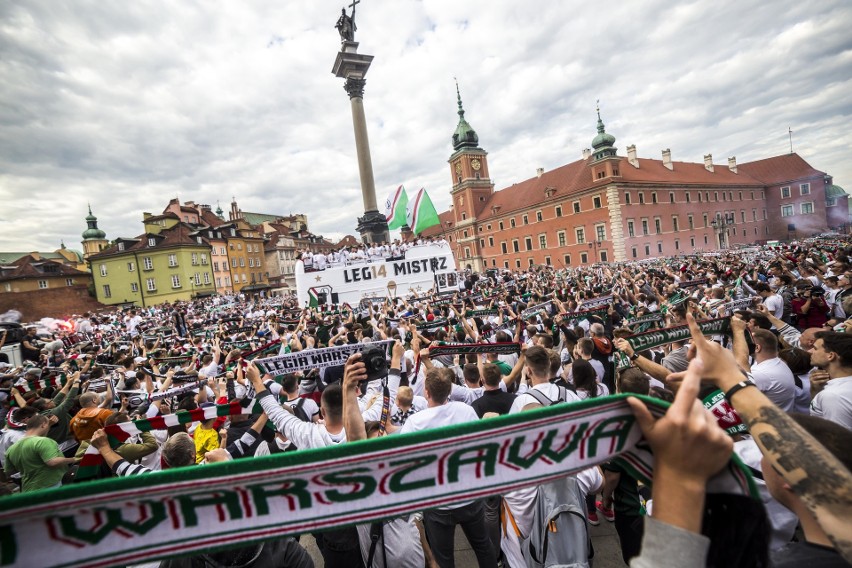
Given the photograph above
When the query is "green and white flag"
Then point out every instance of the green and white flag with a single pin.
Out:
(420, 213)
(395, 208)
(313, 299)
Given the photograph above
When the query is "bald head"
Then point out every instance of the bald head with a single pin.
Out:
(806, 341)
(89, 399)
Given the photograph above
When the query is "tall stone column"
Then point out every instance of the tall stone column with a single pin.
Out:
(352, 66)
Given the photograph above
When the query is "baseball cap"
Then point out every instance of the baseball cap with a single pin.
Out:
(138, 360)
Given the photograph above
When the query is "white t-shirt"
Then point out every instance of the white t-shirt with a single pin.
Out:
(834, 402)
(450, 413)
(775, 379)
(775, 304)
(309, 406)
(132, 324)
(549, 390)
(602, 391)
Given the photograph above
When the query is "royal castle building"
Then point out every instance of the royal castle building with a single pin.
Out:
(611, 207)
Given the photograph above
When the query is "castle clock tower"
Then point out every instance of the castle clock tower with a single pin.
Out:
(471, 189)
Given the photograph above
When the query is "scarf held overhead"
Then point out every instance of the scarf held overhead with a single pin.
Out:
(203, 508)
(313, 358)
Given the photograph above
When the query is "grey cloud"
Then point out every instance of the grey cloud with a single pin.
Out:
(128, 105)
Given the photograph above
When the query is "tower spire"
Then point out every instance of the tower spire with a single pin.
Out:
(458, 96)
(601, 129)
(603, 143)
(464, 136)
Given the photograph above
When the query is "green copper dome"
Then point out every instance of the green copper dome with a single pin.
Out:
(464, 136)
(603, 143)
(92, 233)
(602, 139)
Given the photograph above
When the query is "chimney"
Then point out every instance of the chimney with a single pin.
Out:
(146, 215)
(539, 172)
(587, 153)
(732, 164)
(708, 162)
(667, 159)
(631, 156)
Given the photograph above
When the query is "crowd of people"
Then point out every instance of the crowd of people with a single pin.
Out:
(362, 253)
(782, 365)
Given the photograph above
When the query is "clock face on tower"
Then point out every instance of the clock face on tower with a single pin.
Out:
(475, 164)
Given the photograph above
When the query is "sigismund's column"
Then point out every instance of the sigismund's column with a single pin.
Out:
(352, 66)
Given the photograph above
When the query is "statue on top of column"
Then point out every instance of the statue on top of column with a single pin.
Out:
(346, 24)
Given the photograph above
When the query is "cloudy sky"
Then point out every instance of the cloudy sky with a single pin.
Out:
(128, 104)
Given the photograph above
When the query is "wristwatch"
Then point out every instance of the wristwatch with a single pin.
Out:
(738, 387)
(634, 356)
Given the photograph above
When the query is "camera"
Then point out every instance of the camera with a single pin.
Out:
(817, 292)
(376, 363)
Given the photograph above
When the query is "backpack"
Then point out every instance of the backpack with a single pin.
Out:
(542, 398)
(559, 537)
(299, 410)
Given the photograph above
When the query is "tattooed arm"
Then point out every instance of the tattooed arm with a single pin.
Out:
(814, 475)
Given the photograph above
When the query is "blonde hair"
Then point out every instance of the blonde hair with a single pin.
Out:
(404, 396)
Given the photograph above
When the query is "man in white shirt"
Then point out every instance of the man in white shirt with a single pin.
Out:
(520, 504)
(538, 373)
(832, 352)
(310, 435)
(773, 302)
(441, 523)
(133, 323)
(772, 375)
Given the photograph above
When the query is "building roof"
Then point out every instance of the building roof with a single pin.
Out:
(260, 218)
(28, 266)
(685, 173)
(834, 191)
(566, 180)
(179, 235)
(166, 215)
(271, 242)
(446, 218)
(347, 241)
(780, 169)
(576, 177)
(211, 219)
(10, 257)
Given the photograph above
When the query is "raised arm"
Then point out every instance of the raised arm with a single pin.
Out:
(353, 373)
(814, 474)
(109, 395)
(646, 365)
(303, 434)
(740, 347)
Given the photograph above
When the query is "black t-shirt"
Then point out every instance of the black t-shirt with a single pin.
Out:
(497, 401)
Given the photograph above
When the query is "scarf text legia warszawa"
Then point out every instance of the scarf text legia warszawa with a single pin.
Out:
(208, 507)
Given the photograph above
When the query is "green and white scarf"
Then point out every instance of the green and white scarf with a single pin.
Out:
(204, 508)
